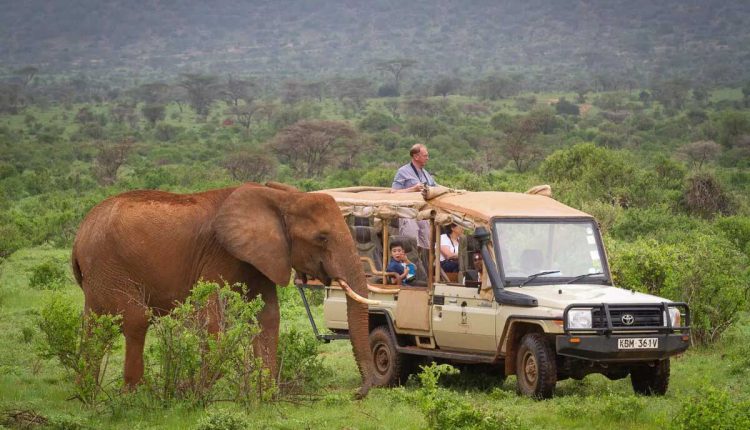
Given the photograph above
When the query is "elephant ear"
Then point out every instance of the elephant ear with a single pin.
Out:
(250, 226)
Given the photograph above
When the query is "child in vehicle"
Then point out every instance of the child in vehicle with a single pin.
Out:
(401, 265)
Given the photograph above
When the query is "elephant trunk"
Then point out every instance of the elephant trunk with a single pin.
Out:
(358, 319)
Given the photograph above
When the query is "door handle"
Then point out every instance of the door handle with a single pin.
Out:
(453, 301)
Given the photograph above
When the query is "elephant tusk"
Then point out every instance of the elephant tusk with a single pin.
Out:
(379, 290)
(356, 297)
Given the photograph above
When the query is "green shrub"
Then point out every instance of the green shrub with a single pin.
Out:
(702, 269)
(48, 276)
(222, 420)
(445, 409)
(186, 362)
(714, 409)
(737, 230)
(300, 366)
(82, 345)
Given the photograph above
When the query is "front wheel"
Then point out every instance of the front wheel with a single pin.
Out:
(536, 371)
(391, 367)
(650, 380)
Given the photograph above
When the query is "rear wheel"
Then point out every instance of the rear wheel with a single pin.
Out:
(391, 366)
(536, 372)
(650, 380)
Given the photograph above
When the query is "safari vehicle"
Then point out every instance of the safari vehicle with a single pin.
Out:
(543, 306)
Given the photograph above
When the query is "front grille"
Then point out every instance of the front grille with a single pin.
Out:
(642, 317)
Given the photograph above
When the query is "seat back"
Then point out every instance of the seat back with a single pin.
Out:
(366, 240)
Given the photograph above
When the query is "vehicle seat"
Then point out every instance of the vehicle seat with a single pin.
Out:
(366, 240)
(531, 261)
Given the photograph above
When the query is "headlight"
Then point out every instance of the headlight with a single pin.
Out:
(579, 318)
(674, 317)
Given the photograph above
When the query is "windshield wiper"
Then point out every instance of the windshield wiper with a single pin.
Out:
(536, 275)
(578, 278)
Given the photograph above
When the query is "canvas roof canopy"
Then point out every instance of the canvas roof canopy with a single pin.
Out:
(463, 207)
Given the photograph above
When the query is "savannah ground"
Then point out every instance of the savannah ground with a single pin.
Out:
(29, 383)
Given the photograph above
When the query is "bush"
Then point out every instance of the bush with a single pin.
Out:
(703, 270)
(222, 420)
(712, 408)
(444, 409)
(48, 276)
(737, 230)
(82, 345)
(300, 366)
(704, 196)
(186, 362)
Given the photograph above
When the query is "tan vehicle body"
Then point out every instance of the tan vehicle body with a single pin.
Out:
(461, 321)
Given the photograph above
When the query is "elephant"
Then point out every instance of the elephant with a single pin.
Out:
(144, 250)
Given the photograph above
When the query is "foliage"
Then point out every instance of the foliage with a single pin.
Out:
(48, 275)
(445, 409)
(703, 270)
(311, 146)
(82, 344)
(704, 196)
(713, 408)
(188, 362)
(301, 368)
(222, 420)
(251, 165)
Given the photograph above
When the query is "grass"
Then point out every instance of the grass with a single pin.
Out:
(30, 383)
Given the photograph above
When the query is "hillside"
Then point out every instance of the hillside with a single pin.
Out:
(553, 41)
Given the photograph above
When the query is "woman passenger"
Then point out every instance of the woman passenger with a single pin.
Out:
(449, 248)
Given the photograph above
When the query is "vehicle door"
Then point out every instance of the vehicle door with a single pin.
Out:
(462, 320)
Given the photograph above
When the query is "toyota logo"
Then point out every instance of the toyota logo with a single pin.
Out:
(627, 319)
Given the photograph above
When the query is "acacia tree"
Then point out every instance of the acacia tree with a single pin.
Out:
(109, 159)
(309, 146)
(235, 90)
(396, 67)
(201, 91)
(701, 151)
(518, 143)
(255, 165)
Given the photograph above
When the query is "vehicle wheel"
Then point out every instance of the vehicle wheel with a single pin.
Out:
(650, 380)
(536, 371)
(391, 367)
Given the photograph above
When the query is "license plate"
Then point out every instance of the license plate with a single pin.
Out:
(638, 343)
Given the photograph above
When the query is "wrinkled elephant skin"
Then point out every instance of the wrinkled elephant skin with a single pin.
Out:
(146, 249)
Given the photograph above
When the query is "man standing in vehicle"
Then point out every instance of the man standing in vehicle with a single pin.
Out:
(412, 177)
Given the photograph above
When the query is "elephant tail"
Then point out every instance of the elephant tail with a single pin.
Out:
(76, 269)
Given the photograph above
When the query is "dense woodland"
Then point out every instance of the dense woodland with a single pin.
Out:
(636, 112)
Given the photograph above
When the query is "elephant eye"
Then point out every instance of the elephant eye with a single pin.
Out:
(322, 238)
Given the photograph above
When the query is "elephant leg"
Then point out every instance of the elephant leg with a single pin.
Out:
(134, 327)
(267, 341)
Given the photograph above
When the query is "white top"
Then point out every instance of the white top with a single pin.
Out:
(445, 240)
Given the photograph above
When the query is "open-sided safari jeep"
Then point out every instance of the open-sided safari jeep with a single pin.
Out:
(543, 306)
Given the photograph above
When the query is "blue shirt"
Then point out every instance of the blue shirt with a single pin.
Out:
(408, 175)
(396, 266)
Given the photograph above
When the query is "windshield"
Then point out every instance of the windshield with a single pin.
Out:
(532, 251)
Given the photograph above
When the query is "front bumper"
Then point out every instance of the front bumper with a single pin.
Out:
(603, 348)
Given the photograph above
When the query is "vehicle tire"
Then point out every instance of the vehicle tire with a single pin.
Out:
(536, 370)
(650, 380)
(391, 367)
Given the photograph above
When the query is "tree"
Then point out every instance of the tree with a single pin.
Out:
(518, 143)
(27, 74)
(254, 165)
(244, 113)
(236, 90)
(565, 107)
(701, 151)
(152, 93)
(396, 67)
(672, 93)
(446, 85)
(201, 91)
(354, 90)
(496, 87)
(153, 113)
(424, 127)
(109, 159)
(309, 146)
